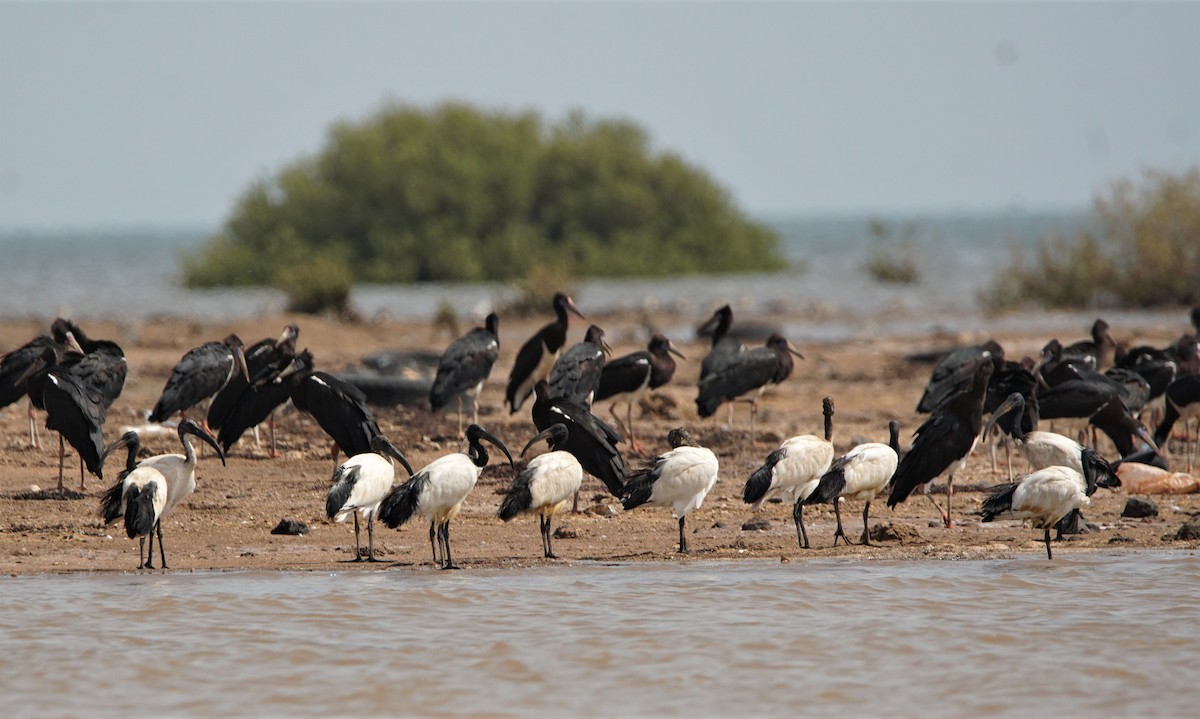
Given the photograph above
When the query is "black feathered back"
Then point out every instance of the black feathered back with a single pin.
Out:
(519, 497)
(999, 501)
(139, 510)
(400, 504)
(760, 481)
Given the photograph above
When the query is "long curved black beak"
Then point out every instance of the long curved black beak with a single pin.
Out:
(189, 427)
(475, 433)
(556, 433)
(128, 439)
(384, 446)
(1010, 403)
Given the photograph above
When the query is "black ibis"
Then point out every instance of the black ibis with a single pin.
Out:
(265, 361)
(257, 403)
(955, 372)
(438, 490)
(576, 374)
(943, 443)
(200, 374)
(151, 490)
(592, 441)
(1182, 400)
(724, 345)
(748, 371)
(360, 484)
(862, 473)
(626, 379)
(14, 364)
(338, 406)
(679, 479)
(792, 472)
(1047, 496)
(549, 481)
(536, 357)
(465, 366)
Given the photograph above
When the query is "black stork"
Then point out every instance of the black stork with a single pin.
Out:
(146, 493)
(549, 480)
(339, 407)
(14, 364)
(748, 371)
(74, 409)
(626, 379)
(257, 403)
(265, 361)
(1098, 351)
(201, 373)
(536, 357)
(437, 492)
(943, 443)
(724, 345)
(955, 372)
(576, 374)
(465, 366)
(1182, 400)
(1097, 400)
(102, 367)
(679, 479)
(592, 441)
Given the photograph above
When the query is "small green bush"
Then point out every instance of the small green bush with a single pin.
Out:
(320, 285)
(893, 255)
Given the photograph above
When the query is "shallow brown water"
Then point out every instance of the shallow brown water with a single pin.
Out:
(1094, 635)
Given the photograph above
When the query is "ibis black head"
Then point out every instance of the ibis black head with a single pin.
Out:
(660, 346)
(187, 427)
(1015, 402)
(563, 304)
(61, 327)
(680, 437)
(382, 446)
(476, 451)
(1097, 472)
(718, 324)
(131, 440)
(556, 436)
(894, 436)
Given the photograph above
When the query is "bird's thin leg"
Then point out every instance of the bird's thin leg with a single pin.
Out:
(839, 532)
(798, 518)
(458, 401)
(682, 537)
(1187, 440)
(1049, 555)
(633, 443)
(82, 485)
(992, 443)
(161, 554)
(433, 547)
(549, 548)
(1008, 459)
(866, 538)
(62, 451)
(945, 515)
(475, 409)
(271, 429)
(257, 438)
(446, 540)
(333, 452)
(357, 550)
(34, 440)
(141, 550)
(949, 498)
(575, 502)
(753, 420)
(371, 538)
(150, 552)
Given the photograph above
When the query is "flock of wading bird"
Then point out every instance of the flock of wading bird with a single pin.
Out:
(1099, 383)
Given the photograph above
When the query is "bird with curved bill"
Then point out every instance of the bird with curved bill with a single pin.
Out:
(536, 357)
(549, 481)
(359, 485)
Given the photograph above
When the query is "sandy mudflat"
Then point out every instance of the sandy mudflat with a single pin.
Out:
(226, 524)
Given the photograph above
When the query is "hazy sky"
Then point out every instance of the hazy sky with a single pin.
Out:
(163, 113)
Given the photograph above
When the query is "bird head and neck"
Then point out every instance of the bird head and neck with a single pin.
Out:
(477, 452)
(680, 437)
(718, 324)
(784, 351)
(564, 304)
(130, 441)
(595, 335)
(382, 446)
(492, 324)
(187, 427)
(827, 410)
(555, 435)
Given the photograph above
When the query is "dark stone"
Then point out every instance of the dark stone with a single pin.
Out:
(1136, 508)
(896, 532)
(1190, 530)
(565, 533)
(756, 524)
(290, 526)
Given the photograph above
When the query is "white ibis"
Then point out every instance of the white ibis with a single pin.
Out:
(943, 443)
(862, 473)
(15, 364)
(265, 360)
(199, 375)
(1047, 495)
(592, 441)
(465, 366)
(724, 345)
(679, 479)
(536, 357)
(547, 484)
(747, 372)
(258, 402)
(954, 372)
(360, 484)
(627, 378)
(338, 406)
(438, 490)
(145, 498)
(576, 374)
(1182, 400)
(793, 471)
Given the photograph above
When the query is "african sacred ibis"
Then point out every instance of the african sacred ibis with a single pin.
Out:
(680, 479)
(861, 473)
(547, 484)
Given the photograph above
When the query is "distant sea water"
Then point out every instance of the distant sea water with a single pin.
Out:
(134, 274)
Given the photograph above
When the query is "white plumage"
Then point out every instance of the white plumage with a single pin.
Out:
(359, 485)
(862, 473)
(547, 484)
(144, 492)
(679, 479)
(1044, 496)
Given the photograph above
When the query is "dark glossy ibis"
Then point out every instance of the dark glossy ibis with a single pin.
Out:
(536, 357)
(679, 479)
(625, 379)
